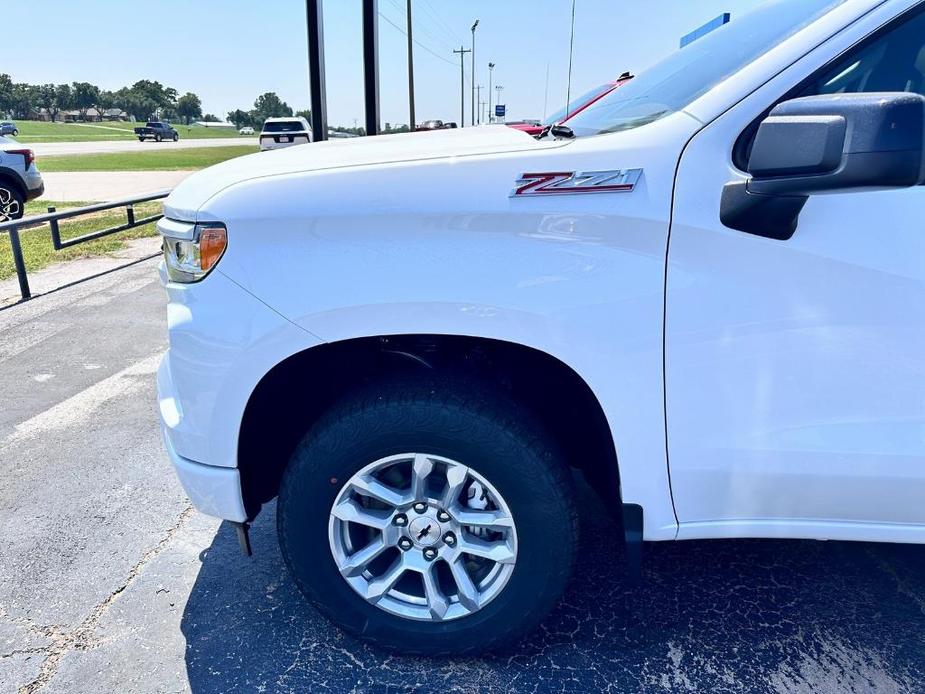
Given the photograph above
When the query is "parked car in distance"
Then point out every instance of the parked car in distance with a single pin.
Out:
(578, 105)
(20, 179)
(430, 125)
(706, 295)
(8, 127)
(246, 131)
(157, 131)
(285, 132)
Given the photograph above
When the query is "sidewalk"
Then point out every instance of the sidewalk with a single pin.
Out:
(65, 273)
(99, 186)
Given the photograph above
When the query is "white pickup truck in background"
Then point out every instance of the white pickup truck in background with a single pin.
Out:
(707, 294)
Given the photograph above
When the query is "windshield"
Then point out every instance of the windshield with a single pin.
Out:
(687, 74)
(576, 104)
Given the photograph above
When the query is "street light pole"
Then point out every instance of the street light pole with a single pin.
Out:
(472, 97)
(462, 85)
(477, 102)
(491, 69)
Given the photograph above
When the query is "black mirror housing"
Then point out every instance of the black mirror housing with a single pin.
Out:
(826, 144)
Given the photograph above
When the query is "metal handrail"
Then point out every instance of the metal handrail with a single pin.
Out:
(52, 217)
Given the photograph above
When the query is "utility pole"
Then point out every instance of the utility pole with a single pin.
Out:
(491, 69)
(411, 70)
(472, 98)
(478, 100)
(462, 85)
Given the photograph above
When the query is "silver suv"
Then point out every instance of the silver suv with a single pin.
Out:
(20, 179)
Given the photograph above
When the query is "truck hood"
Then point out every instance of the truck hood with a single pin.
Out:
(187, 198)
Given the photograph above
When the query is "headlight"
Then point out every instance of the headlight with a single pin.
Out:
(191, 250)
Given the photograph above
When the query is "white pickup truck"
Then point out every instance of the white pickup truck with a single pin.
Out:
(707, 295)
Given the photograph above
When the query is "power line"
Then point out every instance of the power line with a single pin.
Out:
(439, 22)
(419, 25)
(433, 53)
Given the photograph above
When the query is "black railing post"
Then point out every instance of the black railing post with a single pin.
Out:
(130, 215)
(315, 21)
(371, 64)
(55, 231)
(20, 264)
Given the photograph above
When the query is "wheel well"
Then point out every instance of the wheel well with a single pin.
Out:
(13, 182)
(296, 392)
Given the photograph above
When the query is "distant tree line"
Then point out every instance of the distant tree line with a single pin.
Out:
(143, 100)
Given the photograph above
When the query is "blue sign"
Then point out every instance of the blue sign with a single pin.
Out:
(500, 110)
(705, 29)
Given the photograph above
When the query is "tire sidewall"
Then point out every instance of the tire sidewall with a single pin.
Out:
(324, 462)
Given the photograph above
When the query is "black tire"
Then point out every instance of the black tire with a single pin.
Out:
(141, 139)
(157, 138)
(12, 202)
(176, 137)
(15, 133)
(462, 423)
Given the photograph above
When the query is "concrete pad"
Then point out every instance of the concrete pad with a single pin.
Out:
(102, 186)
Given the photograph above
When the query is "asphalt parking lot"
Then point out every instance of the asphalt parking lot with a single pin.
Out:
(109, 582)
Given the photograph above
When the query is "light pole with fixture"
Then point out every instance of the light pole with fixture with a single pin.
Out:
(472, 98)
(491, 67)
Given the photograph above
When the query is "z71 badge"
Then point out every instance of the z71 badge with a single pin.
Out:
(571, 182)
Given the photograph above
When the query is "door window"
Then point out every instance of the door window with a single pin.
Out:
(891, 62)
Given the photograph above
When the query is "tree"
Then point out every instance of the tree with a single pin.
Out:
(46, 97)
(145, 99)
(211, 118)
(189, 107)
(64, 97)
(24, 100)
(84, 96)
(269, 105)
(6, 93)
(241, 119)
(306, 114)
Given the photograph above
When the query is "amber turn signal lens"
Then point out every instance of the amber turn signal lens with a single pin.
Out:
(212, 243)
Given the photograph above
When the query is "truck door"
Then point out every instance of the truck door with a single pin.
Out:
(795, 370)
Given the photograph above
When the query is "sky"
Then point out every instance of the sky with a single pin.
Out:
(230, 51)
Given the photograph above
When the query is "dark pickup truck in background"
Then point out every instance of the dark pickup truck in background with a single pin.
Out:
(157, 131)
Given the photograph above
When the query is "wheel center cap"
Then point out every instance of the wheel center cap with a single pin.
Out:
(424, 531)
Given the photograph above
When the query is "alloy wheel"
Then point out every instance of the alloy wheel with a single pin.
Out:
(10, 206)
(423, 537)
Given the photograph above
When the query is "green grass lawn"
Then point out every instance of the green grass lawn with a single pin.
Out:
(154, 160)
(36, 243)
(39, 131)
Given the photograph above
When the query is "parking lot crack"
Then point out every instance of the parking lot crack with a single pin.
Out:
(82, 636)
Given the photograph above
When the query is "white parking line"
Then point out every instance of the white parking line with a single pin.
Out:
(79, 408)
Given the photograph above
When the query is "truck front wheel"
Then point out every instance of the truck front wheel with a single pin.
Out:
(430, 519)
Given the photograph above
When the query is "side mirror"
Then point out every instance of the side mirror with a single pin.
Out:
(826, 144)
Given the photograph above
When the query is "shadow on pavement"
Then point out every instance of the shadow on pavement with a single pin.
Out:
(744, 615)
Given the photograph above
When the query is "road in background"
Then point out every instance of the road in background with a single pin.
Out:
(110, 582)
(47, 149)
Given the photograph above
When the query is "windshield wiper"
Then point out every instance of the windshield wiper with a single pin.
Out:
(559, 132)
